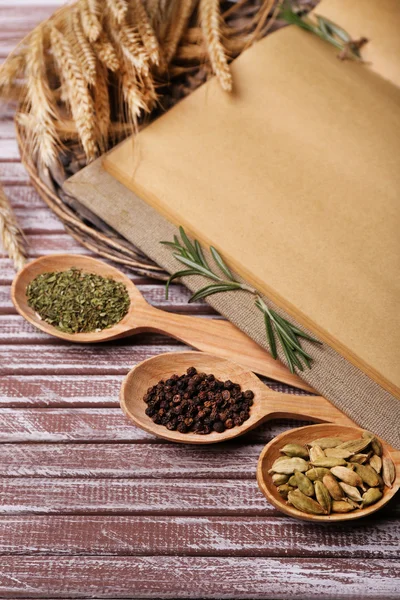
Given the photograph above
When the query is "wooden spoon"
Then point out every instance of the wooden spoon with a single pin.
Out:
(209, 335)
(304, 435)
(267, 404)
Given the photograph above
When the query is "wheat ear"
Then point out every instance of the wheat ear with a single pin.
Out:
(128, 41)
(10, 71)
(90, 21)
(10, 233)
(106, 52)
(79, 98)
(82, 47)
(118, 9)
(39, 99)
(146, 31)
(210, 23)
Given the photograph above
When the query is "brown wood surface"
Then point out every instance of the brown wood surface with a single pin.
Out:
(90, 506)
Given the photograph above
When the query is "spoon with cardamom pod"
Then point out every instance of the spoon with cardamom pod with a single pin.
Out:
(328, 472)
(209, 335)
(265, 404)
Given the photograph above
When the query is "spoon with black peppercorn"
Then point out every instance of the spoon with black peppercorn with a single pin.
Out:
(266, 404)
(208, 335)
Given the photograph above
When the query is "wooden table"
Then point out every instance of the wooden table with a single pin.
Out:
(93, 507)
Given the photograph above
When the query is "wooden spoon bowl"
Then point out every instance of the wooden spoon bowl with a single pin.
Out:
(267, 404)
(304, 435)
(208, 335)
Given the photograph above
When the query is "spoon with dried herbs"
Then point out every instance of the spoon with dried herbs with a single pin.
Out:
(220, 401)
(328, 472)
(82, 299)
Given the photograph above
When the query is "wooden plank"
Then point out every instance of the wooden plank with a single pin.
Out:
(76, 391)
(13, 174)
(37, 221)
(127, 460)
(54, 425)
(206, 577)
(40, 244)
(7, 128)
(63, 359)
(8, 148)
(7, 273)
(24, 197)
(191, 536)
(162, 496)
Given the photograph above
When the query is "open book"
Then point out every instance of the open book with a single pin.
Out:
(295, 178)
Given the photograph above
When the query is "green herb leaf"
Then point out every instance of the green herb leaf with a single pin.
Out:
(176, 276)
(213, 289)
(221, 264)
(270, 335)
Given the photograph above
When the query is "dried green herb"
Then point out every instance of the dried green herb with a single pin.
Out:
(77, 302)
(277, 328)
(325, 29)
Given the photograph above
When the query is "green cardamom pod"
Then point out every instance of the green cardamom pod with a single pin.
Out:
(351, 491)
(388, 471)
(317, 473)
(283, 490)
(316, 452)
(304, 484)
(341, 506)
(376, 462)
(295, 450)
(333, 486)
(338, 452)
(355, 446)
(305, 504)
(290, 465)
(293, 481)
(327, 442)
(328, 462)
(323, 497)
(348, 476)
(279, 478)
(359, 458)
(371, 496)
(367, 474)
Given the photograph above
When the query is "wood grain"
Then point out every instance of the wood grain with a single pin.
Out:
(205, 577)
(193, 536)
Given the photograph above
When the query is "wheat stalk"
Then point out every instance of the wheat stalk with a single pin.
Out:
(210, 20)
(176, 29)
(82, 47)
(102, 107)
(80, 100)
(146, 31)
(10, 233)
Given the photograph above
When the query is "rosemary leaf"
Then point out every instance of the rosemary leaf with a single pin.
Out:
(213, 289)
(270, 335)
(187, 242)
(219, 261)
(175, 276)
(198, 267)
(201, 255)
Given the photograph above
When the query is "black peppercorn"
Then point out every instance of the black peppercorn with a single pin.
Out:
(198, 403)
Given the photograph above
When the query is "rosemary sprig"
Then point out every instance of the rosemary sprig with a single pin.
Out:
(278, 329)
(325, 29)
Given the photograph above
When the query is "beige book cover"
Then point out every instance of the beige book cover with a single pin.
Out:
(295, 178)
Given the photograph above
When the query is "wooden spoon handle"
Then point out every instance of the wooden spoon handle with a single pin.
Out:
(217, 337)
(310, 408)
